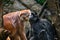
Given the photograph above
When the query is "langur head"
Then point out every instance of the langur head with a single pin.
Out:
(33, 16)
(25, 14)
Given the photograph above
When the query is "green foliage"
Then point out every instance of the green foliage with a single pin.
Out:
(40, 1)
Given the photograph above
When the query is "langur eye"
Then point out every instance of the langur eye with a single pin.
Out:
(27, 14)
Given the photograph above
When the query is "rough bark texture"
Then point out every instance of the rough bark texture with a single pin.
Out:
(53, 7)
(33, 5)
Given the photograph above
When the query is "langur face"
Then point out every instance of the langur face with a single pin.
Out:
(25, 14)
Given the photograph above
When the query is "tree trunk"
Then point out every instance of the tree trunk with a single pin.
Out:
(53, 6)
(0, 13)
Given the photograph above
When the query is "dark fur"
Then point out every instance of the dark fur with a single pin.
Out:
(42, 28)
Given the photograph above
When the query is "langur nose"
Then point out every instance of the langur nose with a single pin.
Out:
(31, 16)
